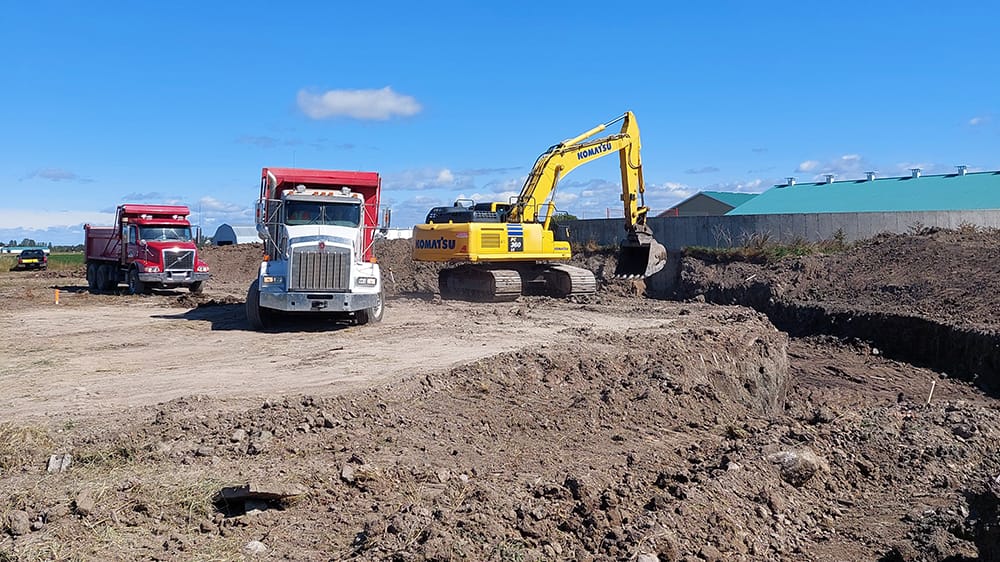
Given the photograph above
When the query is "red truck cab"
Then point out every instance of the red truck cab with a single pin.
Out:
(149, 247)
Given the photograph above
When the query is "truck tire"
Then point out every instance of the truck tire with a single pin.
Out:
(100, 278)
(135, 285)
(370, 315)
(92, 278)
(196, 287)
(258, 317)
(110, 278)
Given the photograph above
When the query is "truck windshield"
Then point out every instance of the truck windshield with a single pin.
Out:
(308, 212)
(180, 233)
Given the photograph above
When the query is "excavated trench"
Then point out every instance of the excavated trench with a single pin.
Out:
(963, 353)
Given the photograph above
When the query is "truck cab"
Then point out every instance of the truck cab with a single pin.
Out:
(317, 227)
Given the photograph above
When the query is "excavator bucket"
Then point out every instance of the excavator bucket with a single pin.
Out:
(640, 255)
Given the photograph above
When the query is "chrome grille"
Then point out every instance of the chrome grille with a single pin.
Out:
(320, 271)
(178, 260)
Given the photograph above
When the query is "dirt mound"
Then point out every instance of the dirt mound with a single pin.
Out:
(526, 455)
(949, 275)
(235, 265)
(402, 275)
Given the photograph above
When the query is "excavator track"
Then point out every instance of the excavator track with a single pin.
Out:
(482, 283)
(567, 280)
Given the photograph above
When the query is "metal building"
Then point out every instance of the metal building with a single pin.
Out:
(958, 191)
(227, 235)
(708, 204)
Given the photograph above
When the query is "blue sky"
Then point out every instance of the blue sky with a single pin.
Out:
(184, 102)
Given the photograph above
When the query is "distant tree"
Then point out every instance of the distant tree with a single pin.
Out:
(564, 217)
(28, 242)
(12, 243)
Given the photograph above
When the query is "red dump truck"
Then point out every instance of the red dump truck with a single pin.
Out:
(149, 247)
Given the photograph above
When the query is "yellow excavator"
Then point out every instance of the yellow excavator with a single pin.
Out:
(504, 250)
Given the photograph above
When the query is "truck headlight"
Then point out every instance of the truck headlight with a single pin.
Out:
(152, 269)
(369, 281)
(202, 268)
(274, 280)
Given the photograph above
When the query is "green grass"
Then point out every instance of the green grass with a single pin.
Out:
(761, 249)
(57, 262)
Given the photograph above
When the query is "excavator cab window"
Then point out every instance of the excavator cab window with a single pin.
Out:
(444, 215)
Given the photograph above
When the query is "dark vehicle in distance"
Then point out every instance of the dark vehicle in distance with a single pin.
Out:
(32, 259)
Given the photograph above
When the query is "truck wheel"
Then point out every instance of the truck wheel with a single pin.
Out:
(258, 317)
(196, 287)
(92, 278)
(100, 278)
(373, 314)
(110, 279)
(135, 285)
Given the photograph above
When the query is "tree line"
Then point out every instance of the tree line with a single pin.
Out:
(34, 243)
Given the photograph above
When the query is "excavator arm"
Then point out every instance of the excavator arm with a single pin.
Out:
(641, 255)
(566, 156)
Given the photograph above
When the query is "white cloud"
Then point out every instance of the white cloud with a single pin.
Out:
(427, 178)
(846, 165)
(56, 175)
(33, 219)
(376, 105)
(807, 166)
(750, 186)
(979, 120)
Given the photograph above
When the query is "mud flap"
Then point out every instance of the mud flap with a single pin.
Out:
(640, 256)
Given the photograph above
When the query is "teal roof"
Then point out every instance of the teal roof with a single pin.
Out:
(946, 192)
(730, 198)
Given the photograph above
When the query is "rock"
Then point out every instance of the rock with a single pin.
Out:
(19, 523)
(56, 512)
(260, 443)
(798, 467)
(37, 525)
(204, 451)
(59, 463)
(710, 553)
(253, 548)
(238, 435)
(329, 421)
(647, 558)
(84, 504)
(964, 431)
(347, 473)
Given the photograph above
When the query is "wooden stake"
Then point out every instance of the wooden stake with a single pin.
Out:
(931, 393)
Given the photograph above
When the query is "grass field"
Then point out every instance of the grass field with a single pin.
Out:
(57, 262)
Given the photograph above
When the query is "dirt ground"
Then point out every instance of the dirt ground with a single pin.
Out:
(608, 427)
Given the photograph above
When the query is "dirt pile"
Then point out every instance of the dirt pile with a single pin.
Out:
(951, 276)
(525, 455)
(617, 427)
